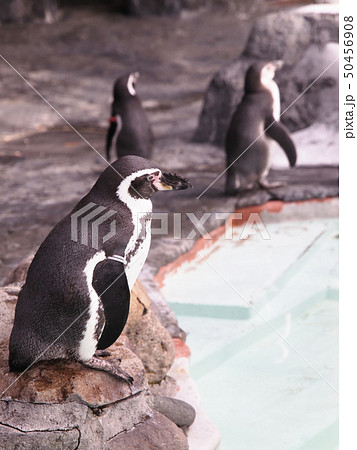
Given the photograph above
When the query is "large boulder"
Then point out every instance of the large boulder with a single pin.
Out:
(153, 344)
(148, 338)
(306, 40)
(159, 305)
(158, 432)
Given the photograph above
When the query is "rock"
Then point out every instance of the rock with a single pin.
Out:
(139, 303)
(156, 433)
(92, 432)
(153, 344)
(166, 387)
(148, 337)
(26, 416)
(56, 440)
(242, 8)
(307, 43)
(179, 412)
(27, 10)
(18, 275)
(8, 298)
(61, 381)
(159, 305)
(159, 7)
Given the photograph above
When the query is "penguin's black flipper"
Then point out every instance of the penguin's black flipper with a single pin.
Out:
(111, 285)
(280, 134)
(110, 134)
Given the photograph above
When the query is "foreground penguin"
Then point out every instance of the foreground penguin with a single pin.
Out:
(76, 297)
(129, 130)
(254, 123)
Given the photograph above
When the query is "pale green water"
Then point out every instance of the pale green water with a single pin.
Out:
(261, 391)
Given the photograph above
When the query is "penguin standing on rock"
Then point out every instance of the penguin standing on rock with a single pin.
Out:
(253, 125)
(129, 130)
(76, 297)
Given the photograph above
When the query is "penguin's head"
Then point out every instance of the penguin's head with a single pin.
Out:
(124, 87)
(260, 75)
(135, 178)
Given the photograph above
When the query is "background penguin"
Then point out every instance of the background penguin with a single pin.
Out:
(76, 298)
(247, 145)
(129, 130)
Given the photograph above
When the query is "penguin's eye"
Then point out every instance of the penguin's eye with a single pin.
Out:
(152, 176)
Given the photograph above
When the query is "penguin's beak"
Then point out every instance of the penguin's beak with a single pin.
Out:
(169, 182)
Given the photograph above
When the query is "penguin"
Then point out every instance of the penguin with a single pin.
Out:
(129, 129)
(254, 124)
(75, 301)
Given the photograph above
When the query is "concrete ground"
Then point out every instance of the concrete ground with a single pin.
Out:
(46, 167)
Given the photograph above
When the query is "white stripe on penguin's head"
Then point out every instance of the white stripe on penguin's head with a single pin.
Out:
(131, 81)
(134, 204)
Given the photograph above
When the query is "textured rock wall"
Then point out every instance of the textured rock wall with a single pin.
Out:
(174, 7)
(297, 38)
(24, 10)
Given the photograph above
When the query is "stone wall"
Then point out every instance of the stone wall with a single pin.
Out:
(306, 41)
(25, 10)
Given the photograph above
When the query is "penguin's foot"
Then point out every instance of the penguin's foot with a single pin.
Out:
(101, 353)
(110, 366)
(264, 184)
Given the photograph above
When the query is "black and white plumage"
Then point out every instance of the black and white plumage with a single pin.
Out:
(254, 123)
(129, 129)
(76, 298)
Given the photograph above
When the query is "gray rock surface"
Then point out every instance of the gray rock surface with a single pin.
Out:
(300, 38)
(178, 411)
(11, 439)
(159, 304)
(166, 387)
(25, 416)
(18, 275)
(26, 10)
(156, 433)
(153, 344)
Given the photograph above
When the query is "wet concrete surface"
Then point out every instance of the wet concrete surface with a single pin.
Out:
(46, 167)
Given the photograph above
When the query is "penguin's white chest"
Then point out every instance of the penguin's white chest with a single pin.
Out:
(275, 93)
(139, 244)
(276, 100)
(88, 343)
